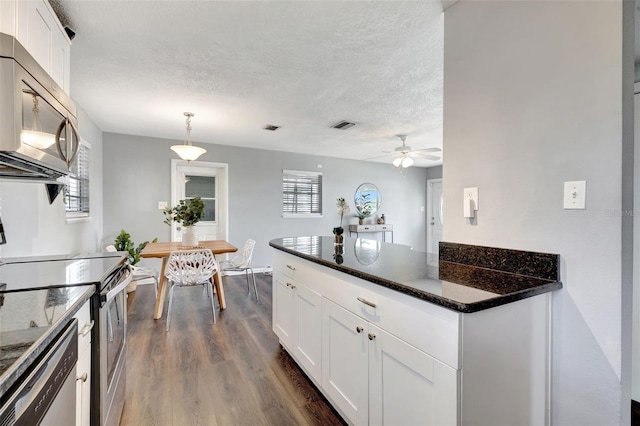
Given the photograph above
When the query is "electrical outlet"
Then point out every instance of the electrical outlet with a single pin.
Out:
(162, 205)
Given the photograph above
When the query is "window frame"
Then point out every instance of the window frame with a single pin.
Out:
(290, 174)
(84, 180)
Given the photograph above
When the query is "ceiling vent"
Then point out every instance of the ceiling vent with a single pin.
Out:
(271, 127)
(344, 125)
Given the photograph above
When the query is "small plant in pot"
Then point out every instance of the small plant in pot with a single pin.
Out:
(343, 207)
(123, 242)
(186, 213)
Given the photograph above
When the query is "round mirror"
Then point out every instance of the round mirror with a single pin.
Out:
(367, 199)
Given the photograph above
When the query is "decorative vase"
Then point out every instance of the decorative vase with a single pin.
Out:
(189, 236)
(339, 238)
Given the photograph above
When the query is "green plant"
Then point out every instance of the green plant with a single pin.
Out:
(123, 243)
(186, 213)
(338, 230)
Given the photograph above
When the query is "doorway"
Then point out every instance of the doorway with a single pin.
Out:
(434, 215)
(206, 180)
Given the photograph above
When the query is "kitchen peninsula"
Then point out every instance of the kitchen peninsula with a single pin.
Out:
(391, 336)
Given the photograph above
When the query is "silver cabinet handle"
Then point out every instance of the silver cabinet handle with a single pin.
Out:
(372, 336)
(82, 378)
(291, 267)
(359, 329)
(366, 302)
(86, 329)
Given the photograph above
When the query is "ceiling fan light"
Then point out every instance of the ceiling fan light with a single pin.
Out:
(407, 162)
(397, 161)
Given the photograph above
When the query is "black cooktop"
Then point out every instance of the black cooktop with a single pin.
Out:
(30, 273)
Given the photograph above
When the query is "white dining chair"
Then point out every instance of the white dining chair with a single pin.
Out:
(140, 272)
(242, 263)
(189, 268)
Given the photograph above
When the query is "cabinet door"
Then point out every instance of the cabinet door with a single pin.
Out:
(60, 60)
(283, 309)
(308, 330)
(344, 361)
(35, 31)
(83, 388)
(398, 373)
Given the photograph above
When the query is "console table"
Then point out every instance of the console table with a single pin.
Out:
(358, 229)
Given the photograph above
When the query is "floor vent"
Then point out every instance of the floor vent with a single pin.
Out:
(344, 125)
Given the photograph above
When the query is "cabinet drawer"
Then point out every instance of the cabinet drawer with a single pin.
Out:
(428, 327)
(291, 266)
(84, 326)
(384, 227)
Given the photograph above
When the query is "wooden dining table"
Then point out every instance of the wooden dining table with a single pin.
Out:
(163, 250)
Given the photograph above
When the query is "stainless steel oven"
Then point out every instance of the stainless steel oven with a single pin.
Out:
(47, 393)
(110, 348)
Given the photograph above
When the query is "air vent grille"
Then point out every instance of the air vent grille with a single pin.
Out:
(344, 125)
(271, 127)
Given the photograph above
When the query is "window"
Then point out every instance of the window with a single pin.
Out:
(301, 194)
(205, 188)
(77, 191)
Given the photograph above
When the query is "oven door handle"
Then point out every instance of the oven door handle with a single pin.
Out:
(119, 288)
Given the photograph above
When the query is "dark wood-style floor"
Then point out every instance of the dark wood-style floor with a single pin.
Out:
(229, 373)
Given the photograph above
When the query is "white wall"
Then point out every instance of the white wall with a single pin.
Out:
(137, 176)
(33, 227)
(533, 98)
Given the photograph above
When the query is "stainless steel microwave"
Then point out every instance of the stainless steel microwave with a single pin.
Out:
(38, 120)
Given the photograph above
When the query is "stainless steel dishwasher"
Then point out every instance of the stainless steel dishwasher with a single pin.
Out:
(47, 395)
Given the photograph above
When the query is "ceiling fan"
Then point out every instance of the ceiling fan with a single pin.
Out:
(405, 155)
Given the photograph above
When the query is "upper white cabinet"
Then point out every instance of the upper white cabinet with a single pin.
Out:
(34, 24)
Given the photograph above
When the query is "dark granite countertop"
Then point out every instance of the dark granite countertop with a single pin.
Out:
(30, 320)
(457, 286)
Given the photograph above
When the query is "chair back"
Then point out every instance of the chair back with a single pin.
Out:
(244, 260)
(191, 267)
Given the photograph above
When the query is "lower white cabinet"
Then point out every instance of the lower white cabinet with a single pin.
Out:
(83, 367)
(382, 357)
(297, 321)
(371, 375)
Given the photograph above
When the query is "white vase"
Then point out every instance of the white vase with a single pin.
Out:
(189, 236)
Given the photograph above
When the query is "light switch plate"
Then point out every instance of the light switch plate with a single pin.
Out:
(162, 205)
(575, 195)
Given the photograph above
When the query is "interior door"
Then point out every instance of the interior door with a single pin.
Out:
(434, 215)
(209, 182)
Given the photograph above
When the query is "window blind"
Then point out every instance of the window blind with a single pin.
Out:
(301, 193)
(77, 192)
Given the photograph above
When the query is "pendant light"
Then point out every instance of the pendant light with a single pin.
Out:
(36, 137)
(187, 151)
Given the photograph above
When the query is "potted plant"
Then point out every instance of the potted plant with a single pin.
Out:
(123, 242)
(343, 207)
(364, 208)
(187, 213)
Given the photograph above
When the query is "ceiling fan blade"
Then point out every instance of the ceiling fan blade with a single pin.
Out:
(428, 150)
(425, 156)
(379, 156)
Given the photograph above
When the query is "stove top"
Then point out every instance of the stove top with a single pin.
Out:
(30, 273)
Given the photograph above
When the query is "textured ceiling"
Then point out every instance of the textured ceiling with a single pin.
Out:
(238, 65)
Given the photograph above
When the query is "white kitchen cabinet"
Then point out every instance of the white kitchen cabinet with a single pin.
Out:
(297, 321)
(35, 25)
(83, 367)
(345, 361)
(371, 374)
(397, 373)
(424, 364)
